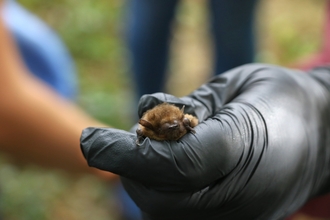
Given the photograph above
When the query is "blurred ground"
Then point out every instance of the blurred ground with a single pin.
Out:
(94, 32)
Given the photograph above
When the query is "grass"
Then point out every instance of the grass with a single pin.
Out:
(94, 32)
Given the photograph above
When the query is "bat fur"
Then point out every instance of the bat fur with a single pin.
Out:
(165, 122)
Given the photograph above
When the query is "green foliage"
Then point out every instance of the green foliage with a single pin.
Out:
(30, 193)
(93, 32)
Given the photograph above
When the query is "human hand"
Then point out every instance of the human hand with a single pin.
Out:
(257, 152)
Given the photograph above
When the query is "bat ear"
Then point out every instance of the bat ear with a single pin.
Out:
(182, 109)
(146, 124)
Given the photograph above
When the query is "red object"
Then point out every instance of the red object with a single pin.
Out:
(318, 207)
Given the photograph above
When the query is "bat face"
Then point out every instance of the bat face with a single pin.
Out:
(165, 122)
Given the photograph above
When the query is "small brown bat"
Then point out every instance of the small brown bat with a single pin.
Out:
(165, 122)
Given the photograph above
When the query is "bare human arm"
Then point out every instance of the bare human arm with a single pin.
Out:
(36, 125)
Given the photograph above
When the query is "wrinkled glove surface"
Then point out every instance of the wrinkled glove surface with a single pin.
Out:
(261, 151)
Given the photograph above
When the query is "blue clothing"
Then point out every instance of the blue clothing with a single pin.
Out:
(129, 210)
(149, 33)
(41, 49)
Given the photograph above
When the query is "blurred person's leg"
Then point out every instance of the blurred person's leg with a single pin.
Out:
(127, 207)
(148, 33)
(149, 30)
(41, 49)
(232, 24)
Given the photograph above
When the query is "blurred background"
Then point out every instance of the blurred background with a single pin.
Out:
(94, 30)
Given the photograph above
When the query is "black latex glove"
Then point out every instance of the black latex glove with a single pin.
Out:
(261, 151)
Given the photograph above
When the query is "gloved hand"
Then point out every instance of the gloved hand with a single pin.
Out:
(261, 151)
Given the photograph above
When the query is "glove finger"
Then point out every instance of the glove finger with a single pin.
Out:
(108, 149)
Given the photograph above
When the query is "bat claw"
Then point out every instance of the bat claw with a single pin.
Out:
(139, 135)
(139, 140)
(190, 129)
